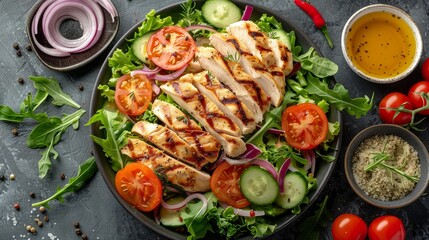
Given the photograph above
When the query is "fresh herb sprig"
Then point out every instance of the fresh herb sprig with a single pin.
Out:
(85, 172)
(380, 158)
(235, 57)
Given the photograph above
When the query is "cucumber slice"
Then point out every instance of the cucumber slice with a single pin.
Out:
(258, 186)
(221, 13)
(295, 189)
(171, 218)
(282, 36)
(139, 47)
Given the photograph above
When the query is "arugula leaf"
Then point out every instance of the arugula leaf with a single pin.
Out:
(319, 66)
(51, 130)
(116, 136)
(310, 227)
(339, 97)
(85, 172)
(52, 87)
(45, 162)
(27, 108)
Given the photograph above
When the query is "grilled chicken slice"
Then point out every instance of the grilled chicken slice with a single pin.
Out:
(258, 44)
(229, 46)
(226, 100)
(207, 114)
(230, 73)
(170, 142)
(202, 142)
(284, 58)
(178, 173)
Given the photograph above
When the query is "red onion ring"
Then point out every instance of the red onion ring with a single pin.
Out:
(184, 202)
(145, 71)
(156, 215)
(200, 27)
(282, 174)
(171, 76)
(274, 131)
(267, 166)
(53, 12)
(243, 212)
(247, 13)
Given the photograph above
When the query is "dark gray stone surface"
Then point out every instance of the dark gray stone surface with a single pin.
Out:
(99, 213)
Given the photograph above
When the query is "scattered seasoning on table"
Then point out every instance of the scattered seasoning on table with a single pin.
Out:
(28, 47)
(78, 231)
(32, 194)
(76, 224)
(33, 230)
(39, 223)
(18, 53)
(15, 45)
(21, 80)
(46, 218)
(81, 88)
(17, 206)
(42, 209)
(381, 182)
(84, 237)
(62, 176)
(28, 227)
(15, 131)
(2, 178)
(12, 176)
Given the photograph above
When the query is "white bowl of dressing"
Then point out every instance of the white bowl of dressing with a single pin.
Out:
(381, 43)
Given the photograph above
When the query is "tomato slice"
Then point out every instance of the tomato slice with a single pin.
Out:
(225, 184)
(305, 125)
(133, 94)
(171, 48)
(137, 184)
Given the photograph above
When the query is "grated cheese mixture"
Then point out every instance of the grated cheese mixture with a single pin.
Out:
(382, 183)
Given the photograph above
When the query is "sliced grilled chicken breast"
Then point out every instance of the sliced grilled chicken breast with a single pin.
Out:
(202, 142)
(226, 100)
(230, 73)
(178, 173)
(169, 141)
(228, 45)
(284, 58)
(258, 44)
(207, 114)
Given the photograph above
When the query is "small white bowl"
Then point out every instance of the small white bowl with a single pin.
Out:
(389, 9)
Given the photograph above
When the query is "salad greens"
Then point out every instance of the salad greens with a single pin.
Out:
(311, 83)
(310, 228)
(85, 172)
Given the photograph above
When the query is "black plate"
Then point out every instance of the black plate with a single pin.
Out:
(75, 60)
(323, 171)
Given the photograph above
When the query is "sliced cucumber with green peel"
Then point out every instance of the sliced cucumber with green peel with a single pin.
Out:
(258, 186)
(138, 47)
(221, 13)
(282, 36)
(295, 189)
(171, 218)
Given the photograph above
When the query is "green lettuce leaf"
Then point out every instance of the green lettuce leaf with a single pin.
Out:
(151, 23)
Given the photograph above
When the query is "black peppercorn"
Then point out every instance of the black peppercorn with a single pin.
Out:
(46, 218)
(29, 48)
(32, 195)
(18, 53)
(2, 178)
(21, 80)
(15, 131)
(76, 224)
(15, 45)
(78, 231)
(84, 237)
(62, 176)
(81, 87)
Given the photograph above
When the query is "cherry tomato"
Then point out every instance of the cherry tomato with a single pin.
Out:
(386, 228)
(425, 69)
(133, 94)
(137, 184)
(225, 184)
(349, 227)
(171, 48)
(416, 99)
(305, 125)
(395, 100)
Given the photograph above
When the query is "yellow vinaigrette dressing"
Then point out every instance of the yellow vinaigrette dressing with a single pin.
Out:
(381, 44)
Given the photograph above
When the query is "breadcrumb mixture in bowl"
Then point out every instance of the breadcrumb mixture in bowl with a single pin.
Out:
(387, 166)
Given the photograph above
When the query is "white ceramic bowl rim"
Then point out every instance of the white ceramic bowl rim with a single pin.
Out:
(394, 10)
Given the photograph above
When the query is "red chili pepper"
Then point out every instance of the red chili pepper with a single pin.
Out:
(317, 18)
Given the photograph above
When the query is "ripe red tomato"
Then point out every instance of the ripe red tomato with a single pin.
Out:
(425, 69)
(171, 48)
(225, 184)
(395, 100)
(386, 228)
(349, 227)
(133, 94)
(137, 184)
(415, 95)
(305, 125)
